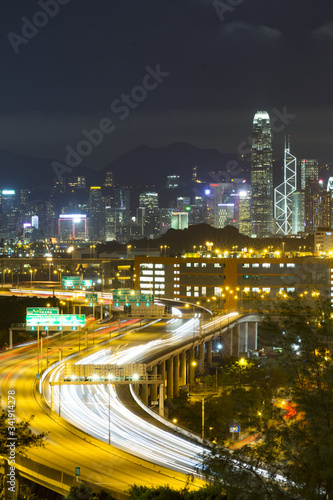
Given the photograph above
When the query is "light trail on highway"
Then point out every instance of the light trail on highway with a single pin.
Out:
(93, 408)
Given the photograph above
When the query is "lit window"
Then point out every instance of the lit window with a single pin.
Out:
(188, 294)
(196, 294)
(217, 265)
(255, 289)
(246, 265)
(188, 264)
(255, 265)
(196, 264)
(290, 289)
(203, 291)
(196, 288)
(159, 279)
(290, 265)
(146, 266)
(204, 264)
(266, 264)
(281, 265)
(159, 266)
(159, 273)
(188, 288)
(145, 278)
(147, 272)
(266, 290)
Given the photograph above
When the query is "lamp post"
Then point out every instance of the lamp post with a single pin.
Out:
(203, 420)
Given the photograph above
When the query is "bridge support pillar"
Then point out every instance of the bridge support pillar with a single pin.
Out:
(243, 337)
(153, 387)
(183, 368)
(144, 393)
(176, 375)
(170, 378)
(235, 341)
(192, 367)
(202, 358)
(161, 400)
(252, 335)
(161, 370)
(209, 353)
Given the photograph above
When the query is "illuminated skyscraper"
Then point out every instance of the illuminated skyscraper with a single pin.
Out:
(283, 193)
(309, 170)
(95, 213)
(261, 176)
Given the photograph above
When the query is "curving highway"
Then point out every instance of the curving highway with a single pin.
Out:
(68, 447)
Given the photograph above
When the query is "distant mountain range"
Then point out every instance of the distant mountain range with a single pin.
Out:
(143, 166)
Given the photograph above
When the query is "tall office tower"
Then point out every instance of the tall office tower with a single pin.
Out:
(95, 214)
(261, 176)
(244, 212)
(309, 170)
(197, 212)
(224, 215)
(330, 190)
(148, 199)
(173, 181)
(8, 214)
(183, 202)
(298, 211)
(283, 193)
(116, 212)
(179, 220)
(108, 179)
(217, 194)
(194, 174)
(77, 182)
(317, 206)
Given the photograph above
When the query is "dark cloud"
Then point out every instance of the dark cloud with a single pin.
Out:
(323, 32)
(240, 29)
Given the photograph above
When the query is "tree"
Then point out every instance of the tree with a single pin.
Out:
(293, 458)
(25, 438)
(209, 492)
(84, 492)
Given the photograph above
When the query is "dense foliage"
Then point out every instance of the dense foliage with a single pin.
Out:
(293, 458)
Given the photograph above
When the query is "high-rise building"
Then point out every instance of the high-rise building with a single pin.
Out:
(244, 212)
(108, 179)
(317, 206)
(183, 202)
(283, 193)
(148, 199)
(179, 220)
(173, 181)
(261, 176)
(224, 215)
(9, 213)
(95, 213)
(309, 170)
(298, 211)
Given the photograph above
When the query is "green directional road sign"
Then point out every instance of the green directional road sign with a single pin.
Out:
(91, 297)
(49, 320)
(77, 471)
(42, 310)
(71, 281)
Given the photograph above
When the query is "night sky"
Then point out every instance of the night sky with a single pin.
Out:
(217, 69)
